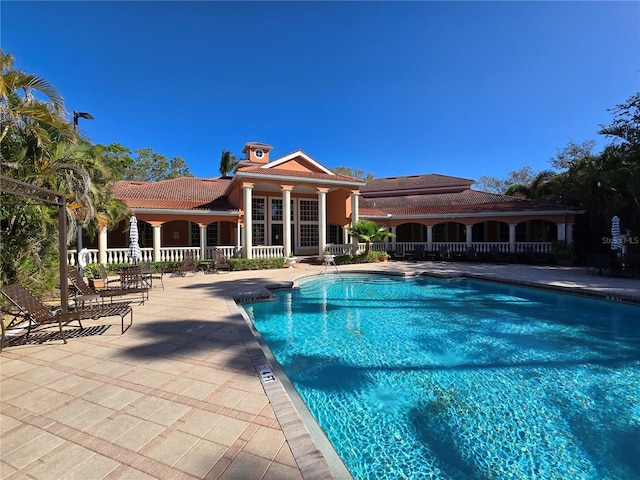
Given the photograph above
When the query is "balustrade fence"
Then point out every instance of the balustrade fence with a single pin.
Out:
(177, 254)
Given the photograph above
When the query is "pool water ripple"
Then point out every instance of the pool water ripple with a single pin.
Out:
(428, 378)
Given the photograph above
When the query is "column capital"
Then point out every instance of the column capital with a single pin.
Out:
(247, 185)
(355, 192)
(286, 188)
(322, 189)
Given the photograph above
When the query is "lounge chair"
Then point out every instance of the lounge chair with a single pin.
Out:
(36, 313)
(419, 254)
(85, 292)
(220, 261)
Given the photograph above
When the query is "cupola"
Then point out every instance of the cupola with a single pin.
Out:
(257, 152)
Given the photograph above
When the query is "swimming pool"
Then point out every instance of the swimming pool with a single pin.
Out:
(461, 379)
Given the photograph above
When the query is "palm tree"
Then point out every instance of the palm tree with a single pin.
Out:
(39, 146)
(228, 162)
(19, 107)
(368, 231)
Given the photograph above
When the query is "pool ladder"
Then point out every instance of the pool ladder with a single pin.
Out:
(331, 260)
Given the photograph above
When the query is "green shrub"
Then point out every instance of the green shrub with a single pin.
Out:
(238, 264)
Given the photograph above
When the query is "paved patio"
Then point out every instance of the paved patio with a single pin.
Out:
(178, 396)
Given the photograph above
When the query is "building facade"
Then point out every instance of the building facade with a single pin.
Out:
(295, 205)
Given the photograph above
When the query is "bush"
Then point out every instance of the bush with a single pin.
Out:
(238, 264)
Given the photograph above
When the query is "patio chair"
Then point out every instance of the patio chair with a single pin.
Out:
(189, 265)
(419, 254)
(149, 274)
(85, 292)
(104, 276)
(445, 254)
(399, 253)
(470, 255)
(220, 261)
(133, 281)
(36, 313)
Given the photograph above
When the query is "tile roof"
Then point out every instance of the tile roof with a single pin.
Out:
(414, 182)
(184, 193)
(279, 172)
(467, 201)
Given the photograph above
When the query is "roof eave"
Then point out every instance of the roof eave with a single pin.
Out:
(175, 211)
(477, 214)
(290, 178)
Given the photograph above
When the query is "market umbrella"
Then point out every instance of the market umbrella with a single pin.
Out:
(616, 239)
(134, 249)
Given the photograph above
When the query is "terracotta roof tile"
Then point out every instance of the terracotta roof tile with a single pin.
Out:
(414, 181)
(468, 201)
(182, 193)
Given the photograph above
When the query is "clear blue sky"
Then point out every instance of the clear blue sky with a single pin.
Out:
(393, 88)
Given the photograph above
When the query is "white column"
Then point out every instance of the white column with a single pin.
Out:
(286, 219)
(429, 238)
(354, 219)
(569, 236)
(203, 242)
(322, 220)
(354, 208)
(512, 237)
(102, 245)
(238, 238)
(157, 242)
(561, 232)
(469, 236)
(248, 228)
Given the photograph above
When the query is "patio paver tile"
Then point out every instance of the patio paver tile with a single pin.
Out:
(201, 458)
(173, 447)
(227, 431)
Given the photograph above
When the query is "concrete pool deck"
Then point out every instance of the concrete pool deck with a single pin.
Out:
(178, 395)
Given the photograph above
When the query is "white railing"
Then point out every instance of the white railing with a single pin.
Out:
(453, 247)
(177, 254)
(534, 247)
(268, 251)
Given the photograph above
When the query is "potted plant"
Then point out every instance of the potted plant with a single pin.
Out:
(95, 281)
(383, 256)
(290, 259)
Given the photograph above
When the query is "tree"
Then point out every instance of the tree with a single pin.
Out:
(39, 146)
(228, 162)
(524, 176)
(540, 187)
(149, 166)
(42, 120)
(369, 231)
(355, 173)
(571, 153)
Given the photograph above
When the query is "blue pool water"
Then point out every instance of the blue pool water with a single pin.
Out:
(461, 379)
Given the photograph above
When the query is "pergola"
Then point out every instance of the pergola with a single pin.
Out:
(49, 197)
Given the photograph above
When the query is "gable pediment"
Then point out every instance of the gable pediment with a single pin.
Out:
(298, 161)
